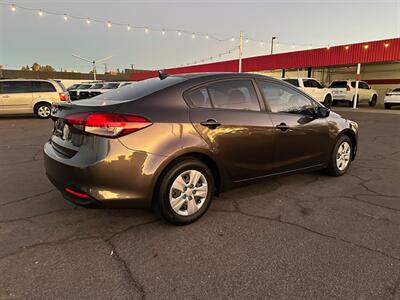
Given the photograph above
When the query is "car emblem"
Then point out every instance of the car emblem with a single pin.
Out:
(66, 132)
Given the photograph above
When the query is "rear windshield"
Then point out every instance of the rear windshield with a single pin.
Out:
(61, 85)
(338, 84)
(396, 90)
(294, 82)
(136, 91)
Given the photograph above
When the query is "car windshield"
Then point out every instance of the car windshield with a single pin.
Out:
(135, 91)
(84, 86)
(97, 86)
(338, 84)
(396, 90)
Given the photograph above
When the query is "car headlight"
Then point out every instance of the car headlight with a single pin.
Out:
(353, 126)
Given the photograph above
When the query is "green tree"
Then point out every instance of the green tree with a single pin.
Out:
(35, 67)
(47, 68)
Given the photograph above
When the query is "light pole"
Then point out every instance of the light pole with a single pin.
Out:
(272, 44)
(93, 62)
(240, 51)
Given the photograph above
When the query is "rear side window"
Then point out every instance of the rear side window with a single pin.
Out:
(396, 90)
(234, 94)
(14, 87)
(43, 86)
(200, 98)
(338, 84)
(294, 82)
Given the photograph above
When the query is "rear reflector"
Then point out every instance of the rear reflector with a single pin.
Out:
(80, 195)
(108, 124)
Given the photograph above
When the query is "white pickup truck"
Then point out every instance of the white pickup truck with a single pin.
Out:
(312, 87)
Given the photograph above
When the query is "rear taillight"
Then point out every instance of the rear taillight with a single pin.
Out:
(107, 124)
(347, 88)
(62, 96)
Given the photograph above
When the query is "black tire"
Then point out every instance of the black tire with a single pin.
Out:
(328, 101)
(333, 168)
(162, 204)
(42, 107)
(373, 100)
(388, 106)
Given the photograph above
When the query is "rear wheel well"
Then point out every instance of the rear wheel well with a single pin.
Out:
(196, 155)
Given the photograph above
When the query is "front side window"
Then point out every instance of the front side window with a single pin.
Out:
(14, 87)
(43, 87)
(282, 99)
(200, 98)
(234, 94)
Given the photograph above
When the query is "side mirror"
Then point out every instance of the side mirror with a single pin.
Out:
(322, 112)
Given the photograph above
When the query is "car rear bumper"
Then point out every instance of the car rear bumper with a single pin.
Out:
(392, 100)
(342, 97)
(122, 177)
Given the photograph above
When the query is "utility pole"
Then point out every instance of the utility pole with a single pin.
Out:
(105, 67)
(240, 51)
(272, 44)
(357, 84)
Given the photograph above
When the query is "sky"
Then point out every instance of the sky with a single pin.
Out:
(26, 38)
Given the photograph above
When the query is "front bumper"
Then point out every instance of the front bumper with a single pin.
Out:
(119, 177)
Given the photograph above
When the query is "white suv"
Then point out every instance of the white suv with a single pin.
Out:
(345, 90)
(26, 96)
(392, 98)
(314, 88)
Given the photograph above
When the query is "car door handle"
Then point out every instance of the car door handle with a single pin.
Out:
(210, 123)
(283, 127)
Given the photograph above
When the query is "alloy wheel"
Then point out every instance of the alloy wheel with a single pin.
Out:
(44, 111)
(343, 156)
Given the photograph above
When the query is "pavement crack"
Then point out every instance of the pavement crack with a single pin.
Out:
(280, 220)
(125, 268)
(27, 198)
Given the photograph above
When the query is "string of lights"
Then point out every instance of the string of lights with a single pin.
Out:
(148, 29)
(210, 58)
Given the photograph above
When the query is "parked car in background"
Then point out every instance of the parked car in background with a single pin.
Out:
(75, 93)
(173, 142)
(108, 86)
(345, 90)
(312, 87)
(392, 98)
(73, 87)
(27, 96)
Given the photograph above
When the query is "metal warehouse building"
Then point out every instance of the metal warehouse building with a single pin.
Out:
(379, 60)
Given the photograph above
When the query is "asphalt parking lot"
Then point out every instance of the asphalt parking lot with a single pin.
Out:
(298, 236)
